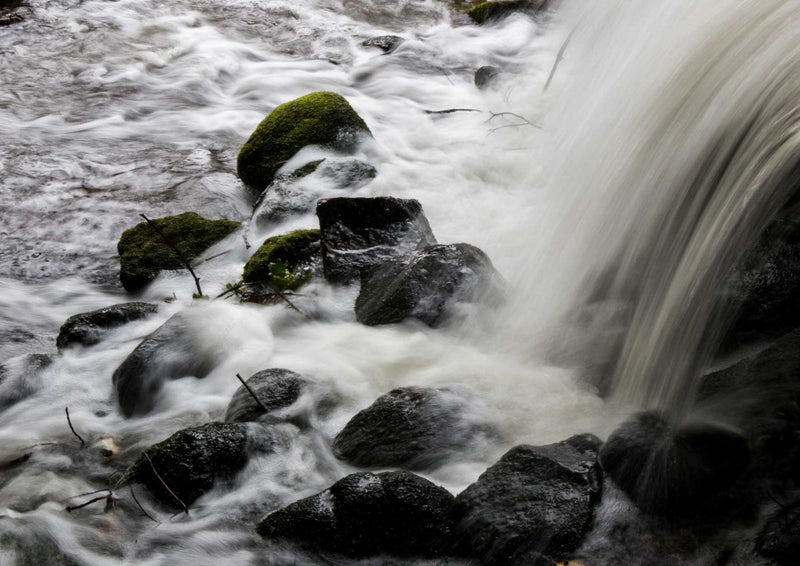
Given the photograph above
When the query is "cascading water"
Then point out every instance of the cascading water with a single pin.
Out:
(616, 206)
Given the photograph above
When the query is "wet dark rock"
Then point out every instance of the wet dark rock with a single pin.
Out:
(143, 252)
(767, 287)
(411, 427)
(386, 43)
(489, 11)
(276, 388)
(87, 328)
(426, 284)
(358, 233)
(366, 514)
(13, 12)
(292, 194)
(485, 76)
(779, 539)
(667, 469)
(533, 506)
(191, 461)
(319, 118)
(761, 395)
(170, 352)
(286, 262)
(21, 377)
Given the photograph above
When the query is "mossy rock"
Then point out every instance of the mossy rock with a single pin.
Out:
(284, 262)
(143, 252)
(486, 11)
(191, 460)
(319, 118)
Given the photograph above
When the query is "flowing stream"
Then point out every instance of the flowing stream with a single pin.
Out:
(614, 203)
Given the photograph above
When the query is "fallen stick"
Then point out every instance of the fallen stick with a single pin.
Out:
(559, 57)
(177, 251)
(252, 393)
(69, 422)
(159, 478)
(451, 110)
(96, 499)
(146, 514)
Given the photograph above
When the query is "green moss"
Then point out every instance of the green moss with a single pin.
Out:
(320, 118)
(284, 262)
(480, 13)
(143, 253)
(485, 11)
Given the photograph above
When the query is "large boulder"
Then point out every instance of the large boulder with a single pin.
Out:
(276, 389)
(170, 352)
(532, 507)
(13, 12)
(191, 461)
(366, 514)
(359, 233)
(319, 118)
(666, 468)
(284, 263)
(411, 427)
(489, 11)
(298, 192)
(767, 286)
(87, 328)
(143, 252)
(426, 284)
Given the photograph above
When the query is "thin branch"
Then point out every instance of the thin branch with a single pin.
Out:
(177, 251)
(514, 114)
(285, 298)
(216, 256)
(252, 393)
(159, 478)
(559, 57)
(81, 506)
(451, 110)
(146, 514)
(90, 493)
(69, 422)
(231, 290)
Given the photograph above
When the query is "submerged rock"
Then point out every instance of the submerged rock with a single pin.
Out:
(21, 377)
(298, 194)
(319, 118)
(426, 284)
(410, 427)
(284, 263)
(191, 461)
(358, 233)
(87, 328)
(143, 252)
(668, 469)
(170, 352)
(276, 388)
(485, 76)
(487, 11)
(386, 43)
(533, 506)
(366, 514)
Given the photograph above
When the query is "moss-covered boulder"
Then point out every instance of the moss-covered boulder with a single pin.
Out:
(191, 461)
(486, 11)
(143, 252)
(285, 262)
(319, 118)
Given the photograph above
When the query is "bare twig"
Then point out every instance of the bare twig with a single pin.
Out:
(163, 483)
(451, 110)
(252, 393)
(69, 422)
(559, 57)
(146, 514)
(286, 299)
(90, 493)
(177, 251)
(82, 505)
(216, 256)
(515, 115)
(231, 290)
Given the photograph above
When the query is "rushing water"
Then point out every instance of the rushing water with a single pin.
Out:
(655, 153)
